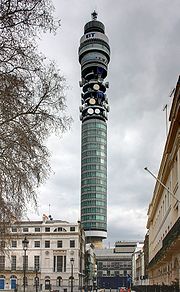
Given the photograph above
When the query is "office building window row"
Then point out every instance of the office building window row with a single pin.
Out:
(94, 146)
(93, 167)
(97, 225)
(93, 203)
(94, 132)
(93, 210)
(93, 153)
(93, 189)
(94, 174)
(94, 139)
(94, 181)
(94, 217)
(94, 159)
(97, 124)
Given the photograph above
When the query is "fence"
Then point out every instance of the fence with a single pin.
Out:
(156, 288)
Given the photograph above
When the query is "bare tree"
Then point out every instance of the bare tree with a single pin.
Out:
(32, 103)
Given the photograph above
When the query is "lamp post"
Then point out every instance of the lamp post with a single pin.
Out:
(25, 246)
(36, 279)
(72, 263)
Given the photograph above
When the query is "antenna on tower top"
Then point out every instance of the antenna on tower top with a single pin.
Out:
(94, 15)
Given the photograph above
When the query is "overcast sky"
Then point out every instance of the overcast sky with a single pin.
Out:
(144, 67)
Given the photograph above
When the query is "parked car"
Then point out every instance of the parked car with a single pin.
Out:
(123, 289)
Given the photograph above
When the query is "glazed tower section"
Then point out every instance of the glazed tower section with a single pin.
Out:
(94, 56)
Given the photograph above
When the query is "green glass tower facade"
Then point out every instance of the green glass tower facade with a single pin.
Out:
(94, 175)
(94, 56)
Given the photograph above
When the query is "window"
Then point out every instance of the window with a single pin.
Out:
(47, 229)
(59, 281)
(14, 229)
(72, 228)
(25, 229)
(64, 263)
(175, 172)
(37, 244)
(100, 265)
(14, 243)
(47, 284)
(37, 229)
(25, 262)
(59, 243)
(60, 229)
(36, 263)
(2, 244)
(47, 244)
(59, 264)
(72, 243)
(13, 263)
(2, 263)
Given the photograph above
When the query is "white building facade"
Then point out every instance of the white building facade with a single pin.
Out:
(164, 209)
(54, 257)
(138, 265)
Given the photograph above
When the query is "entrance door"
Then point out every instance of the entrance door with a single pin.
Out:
(13, 283)
(1, 283)
(47, 284)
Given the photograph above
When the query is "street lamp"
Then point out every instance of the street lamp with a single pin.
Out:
(72, 263)
(25, 246)
(36, 278)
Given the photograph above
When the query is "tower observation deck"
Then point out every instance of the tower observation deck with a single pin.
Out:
(94, 56)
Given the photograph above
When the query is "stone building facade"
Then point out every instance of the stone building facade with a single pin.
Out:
(164, 210)
(54, 257)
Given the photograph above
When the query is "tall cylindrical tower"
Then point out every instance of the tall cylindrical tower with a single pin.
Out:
(94, 56)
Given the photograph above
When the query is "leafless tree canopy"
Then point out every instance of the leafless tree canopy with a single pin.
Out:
(32, 103)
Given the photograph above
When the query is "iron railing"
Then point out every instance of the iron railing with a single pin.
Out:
(156, 288)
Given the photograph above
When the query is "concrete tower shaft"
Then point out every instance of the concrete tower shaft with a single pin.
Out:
(94, 56)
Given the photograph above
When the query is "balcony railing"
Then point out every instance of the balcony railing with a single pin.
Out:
(172, 235)
(18, 269)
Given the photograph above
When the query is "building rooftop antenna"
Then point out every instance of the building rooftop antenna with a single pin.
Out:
(171, 92)
(94, 15)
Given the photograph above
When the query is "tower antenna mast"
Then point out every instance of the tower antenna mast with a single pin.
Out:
(94, 15)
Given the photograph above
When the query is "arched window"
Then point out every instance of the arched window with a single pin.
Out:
(36, 281)
(26, 281)
(60, 229)
(70, 280)
(47, 283)
(176, 270)
(59, 281)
